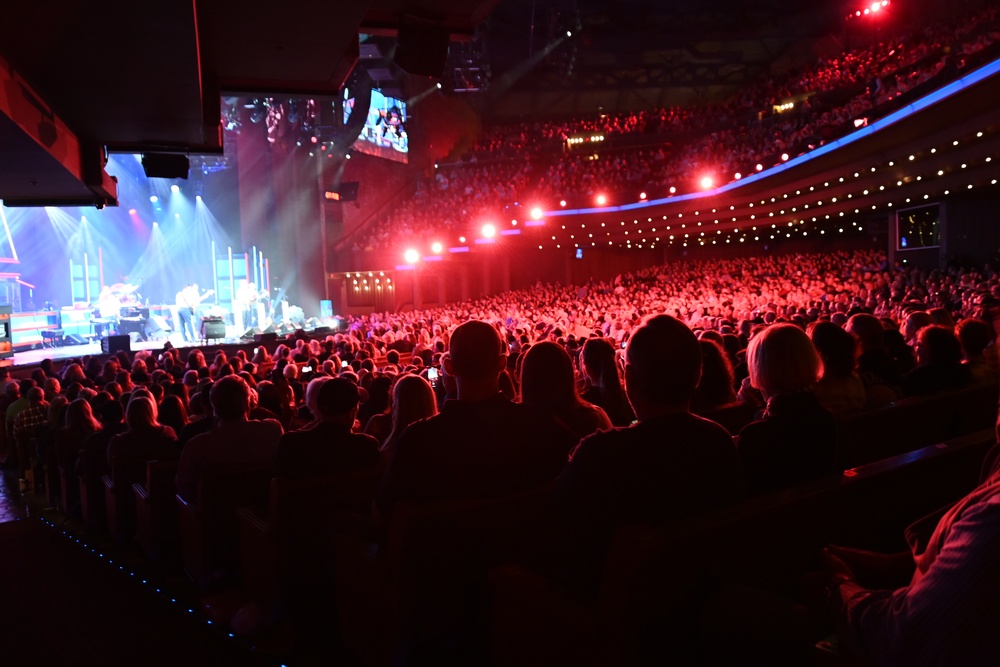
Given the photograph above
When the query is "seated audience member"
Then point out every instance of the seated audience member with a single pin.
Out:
(948, 614)
(716, 387)
(172, 413)
(481, 445)
(605, 387)
(795, 440)
(669, 465)
(939, 363)
(413, 399)
(145, 439)
(234, 440)
(839, 388)
(875, 366)
(92, 460)
(329, 446)
(549, 386)
(976, 337)
(29, 424)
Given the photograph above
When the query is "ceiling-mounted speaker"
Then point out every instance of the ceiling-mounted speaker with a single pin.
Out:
(421, 46)
(165, 165)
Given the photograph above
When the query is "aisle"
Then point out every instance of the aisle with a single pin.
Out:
(63, 605)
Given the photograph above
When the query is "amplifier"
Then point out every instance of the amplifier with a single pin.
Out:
(213, 328)
(112, 344)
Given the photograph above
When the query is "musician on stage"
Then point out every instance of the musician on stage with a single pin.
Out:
(185, 312)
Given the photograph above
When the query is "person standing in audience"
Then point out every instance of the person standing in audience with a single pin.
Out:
(234, 440)
(481, 445)
(668, 465)
(329, 446)
(795, 440)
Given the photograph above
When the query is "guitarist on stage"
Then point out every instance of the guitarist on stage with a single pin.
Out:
(187, 301)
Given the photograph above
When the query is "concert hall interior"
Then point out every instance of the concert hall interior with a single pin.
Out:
(500, 332)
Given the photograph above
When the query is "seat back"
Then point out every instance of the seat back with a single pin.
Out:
(439, 555)
(302, 512)
(912, 423)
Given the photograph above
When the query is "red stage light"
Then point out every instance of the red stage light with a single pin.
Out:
(536, 213)
(601, 200)
(707, 182)
(489, 231)
(411, 256)
(642, 195)
(436, 248)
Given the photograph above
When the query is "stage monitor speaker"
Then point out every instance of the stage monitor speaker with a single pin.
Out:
(250, 334)
(165, 165)
(213, 328)
(266, 337)
(74, 339)
(421, 46)
(112, 344)
(158, 325)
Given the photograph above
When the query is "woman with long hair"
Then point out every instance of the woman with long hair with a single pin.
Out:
(600, 367)
(67, 442)
(413, 399)
(145, 439)
(173, 413)
(549, 385)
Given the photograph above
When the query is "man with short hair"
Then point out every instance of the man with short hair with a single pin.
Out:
(669, 465)
(234, 440)
(329, 446)
(481, 445)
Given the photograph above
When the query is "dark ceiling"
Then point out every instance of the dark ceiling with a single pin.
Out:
(145, 76)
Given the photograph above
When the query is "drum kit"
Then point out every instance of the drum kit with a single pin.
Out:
(120, 306)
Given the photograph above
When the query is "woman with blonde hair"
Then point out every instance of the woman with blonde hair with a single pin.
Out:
(795, 439)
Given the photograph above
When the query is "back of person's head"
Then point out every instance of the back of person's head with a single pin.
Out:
(598, 359)
(392, 357)
(937, 344)
(12, 390)
(975, 336)
(781, 359)
(942, 316)
(36, 395)
(26, 384)
(715, 388)
(339, 397)
(312, 394)
(868, 330)
(476, 351)
(547, 378)
(663, 362)
(915, 321)
(836, 348)
(79, 416)
(112, 412)
(230, 398)
(412, 399)
(141, 412)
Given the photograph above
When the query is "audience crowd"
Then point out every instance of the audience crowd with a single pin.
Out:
(526, 164)
(589, 386)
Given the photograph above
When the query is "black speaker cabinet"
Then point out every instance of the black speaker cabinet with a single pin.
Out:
(213, 328)
(112, 344)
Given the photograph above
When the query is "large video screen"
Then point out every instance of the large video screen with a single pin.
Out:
(384, 133)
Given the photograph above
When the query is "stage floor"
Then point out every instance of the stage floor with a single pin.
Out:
(34, 357)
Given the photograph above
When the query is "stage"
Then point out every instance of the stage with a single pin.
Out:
(30, 358)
